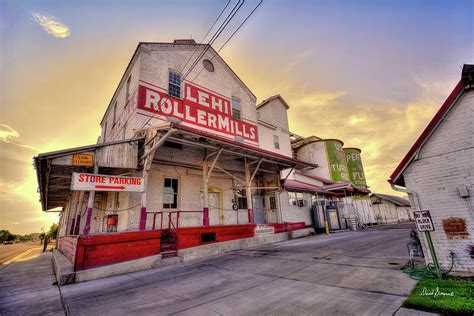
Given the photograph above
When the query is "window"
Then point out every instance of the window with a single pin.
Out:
(127, 91)
(273, 202)
(124, 130)
(114, 118)
(170, 193)
(242, 202)
(276, 142)
(174, 84)
(208, 65)
(296, 198)
(236, 108)
(105, 132)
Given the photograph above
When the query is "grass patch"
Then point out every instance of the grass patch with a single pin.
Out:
(447, 297)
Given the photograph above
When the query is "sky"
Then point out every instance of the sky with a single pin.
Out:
(371, 73)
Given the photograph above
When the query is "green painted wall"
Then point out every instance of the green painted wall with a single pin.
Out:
(355, 167)
(336, 161)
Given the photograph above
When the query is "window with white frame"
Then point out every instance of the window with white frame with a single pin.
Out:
(174, 84)
(276, 141)
(236, 109)
(295, 198)
(170, 193)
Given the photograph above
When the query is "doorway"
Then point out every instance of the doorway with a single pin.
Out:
(271, 209)
(258, 209)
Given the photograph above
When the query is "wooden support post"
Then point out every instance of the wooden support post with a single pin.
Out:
(77, 223)
(205, 204)
(248, 191)
(148, 160)
(143, 215)
(90, 207)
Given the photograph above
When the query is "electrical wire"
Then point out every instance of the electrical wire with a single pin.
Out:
(232, 35)
(221, 28)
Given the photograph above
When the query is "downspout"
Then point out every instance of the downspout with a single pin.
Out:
(416, 201)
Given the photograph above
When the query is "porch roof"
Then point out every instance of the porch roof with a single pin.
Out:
(194, 137)
(301, 186)
(54, 169)
(345, 187)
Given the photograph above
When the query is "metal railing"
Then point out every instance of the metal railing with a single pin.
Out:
(173, 219)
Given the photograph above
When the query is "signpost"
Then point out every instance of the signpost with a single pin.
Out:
(424, 223)
(98, 182)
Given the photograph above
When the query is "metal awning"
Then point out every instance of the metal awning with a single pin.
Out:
(54, 169)
(193, 137)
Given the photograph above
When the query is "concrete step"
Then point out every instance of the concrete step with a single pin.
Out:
(168, 261)
(168, 254)
(168, 247)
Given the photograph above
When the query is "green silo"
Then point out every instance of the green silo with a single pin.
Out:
(336, 160)
(355, 167)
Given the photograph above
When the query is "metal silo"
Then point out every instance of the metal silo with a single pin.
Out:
(355, 167)
(327, 153)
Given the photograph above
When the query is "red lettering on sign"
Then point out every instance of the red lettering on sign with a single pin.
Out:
(199, 107)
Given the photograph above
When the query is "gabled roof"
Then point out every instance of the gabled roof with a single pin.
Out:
(391, 198)
(176, 43)
(245, 149)
(274, 97)
(467, 77)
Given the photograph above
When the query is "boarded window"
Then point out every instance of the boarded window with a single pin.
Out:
(276, 142)
(114, 118)
(127, 91)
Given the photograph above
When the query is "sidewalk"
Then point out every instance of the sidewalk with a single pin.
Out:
(26, 287)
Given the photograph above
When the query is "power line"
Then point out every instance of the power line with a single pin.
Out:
(224, 24)
(228, 2)
(232, 35)
(219, 31)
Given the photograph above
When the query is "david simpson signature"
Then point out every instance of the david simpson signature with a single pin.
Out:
(435, 293)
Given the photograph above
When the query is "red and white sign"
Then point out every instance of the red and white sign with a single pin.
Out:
(99, 182)
(199, 108)
(423, 221)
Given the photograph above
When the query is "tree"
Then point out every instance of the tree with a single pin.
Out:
(5, 235)
(53, 231)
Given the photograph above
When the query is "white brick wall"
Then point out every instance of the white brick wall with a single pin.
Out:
(445, 162)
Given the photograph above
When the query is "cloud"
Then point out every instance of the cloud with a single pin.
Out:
(51, 25)
(6, 132)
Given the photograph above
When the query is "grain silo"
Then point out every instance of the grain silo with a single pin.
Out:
(355, 167)
(327, 153)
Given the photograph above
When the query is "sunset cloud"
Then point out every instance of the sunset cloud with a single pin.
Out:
(51, 25)
(7, 132)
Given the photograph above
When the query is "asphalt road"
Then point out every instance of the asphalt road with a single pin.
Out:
(347, 273)
(7, 252)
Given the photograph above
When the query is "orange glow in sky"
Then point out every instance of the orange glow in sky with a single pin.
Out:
(371, 73)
